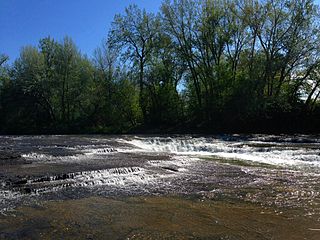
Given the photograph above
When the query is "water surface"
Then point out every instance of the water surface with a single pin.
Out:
(186, 182)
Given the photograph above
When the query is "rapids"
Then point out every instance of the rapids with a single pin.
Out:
(270, 171)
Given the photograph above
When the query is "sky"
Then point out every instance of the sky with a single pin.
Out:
(25, 22)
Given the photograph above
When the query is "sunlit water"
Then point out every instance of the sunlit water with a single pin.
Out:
(281, 172)
(300, 151)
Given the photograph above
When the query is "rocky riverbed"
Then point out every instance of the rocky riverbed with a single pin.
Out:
(160, 187)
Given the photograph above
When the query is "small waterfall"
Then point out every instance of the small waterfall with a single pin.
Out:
(84, 154)
(100, 151)
(257, 149)
(176, 145)
(116, 177)
(42, 157)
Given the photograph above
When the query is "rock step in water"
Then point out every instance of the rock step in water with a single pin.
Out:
(113, 176)
(101, 150)
(9, 157)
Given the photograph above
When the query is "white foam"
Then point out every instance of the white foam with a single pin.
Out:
(117, 177)
(273, 153)
(50, 158)
(85, 154)
(7, 194)
(179, 162)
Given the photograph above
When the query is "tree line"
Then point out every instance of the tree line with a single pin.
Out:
(215, 65)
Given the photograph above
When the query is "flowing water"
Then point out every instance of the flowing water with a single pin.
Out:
(160, 187)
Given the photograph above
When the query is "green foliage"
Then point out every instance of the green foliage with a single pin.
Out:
(228, 65)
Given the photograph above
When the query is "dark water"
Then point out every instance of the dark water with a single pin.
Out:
(151, 187)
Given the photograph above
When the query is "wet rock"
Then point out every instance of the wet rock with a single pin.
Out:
(27, 190)
(106, 150)
(21, 182)
(8, 157)
(171, 169)
(57, 177)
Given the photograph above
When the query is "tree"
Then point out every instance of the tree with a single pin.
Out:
(3, 59)
(134, 33)
(181, 18)
(230, 65)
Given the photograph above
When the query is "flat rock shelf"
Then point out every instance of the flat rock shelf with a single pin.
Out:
(160, 187)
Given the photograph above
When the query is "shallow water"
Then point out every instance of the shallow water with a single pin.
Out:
(153, 218)
(252, 175)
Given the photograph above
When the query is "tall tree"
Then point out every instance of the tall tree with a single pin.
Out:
(181, 18)
(134, 33)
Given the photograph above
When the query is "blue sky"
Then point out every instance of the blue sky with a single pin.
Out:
(25, 22)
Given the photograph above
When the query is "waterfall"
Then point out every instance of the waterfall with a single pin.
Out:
(274, 151)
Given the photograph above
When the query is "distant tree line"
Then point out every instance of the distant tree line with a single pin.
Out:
(215, 65)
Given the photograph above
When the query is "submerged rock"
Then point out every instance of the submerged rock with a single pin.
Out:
(8, 157)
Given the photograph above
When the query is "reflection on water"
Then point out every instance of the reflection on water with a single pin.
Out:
(154, 218)
(269, 180)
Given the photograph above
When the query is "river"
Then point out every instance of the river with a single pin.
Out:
(160, 187)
